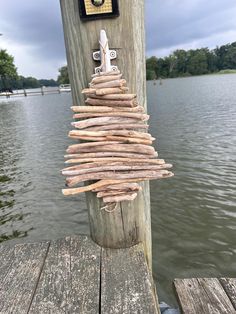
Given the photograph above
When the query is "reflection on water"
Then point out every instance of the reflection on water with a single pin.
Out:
(33, 139)
(193, 213)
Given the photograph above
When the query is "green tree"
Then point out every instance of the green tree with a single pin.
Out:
(197, 62)
(152, 68)
(63, 77)
(8, 71)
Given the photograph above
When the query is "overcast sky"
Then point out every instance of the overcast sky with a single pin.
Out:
(32, 30)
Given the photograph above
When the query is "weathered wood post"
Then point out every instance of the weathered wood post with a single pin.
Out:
(131, 222)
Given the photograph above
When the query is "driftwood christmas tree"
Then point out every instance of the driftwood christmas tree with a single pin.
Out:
(115, 149)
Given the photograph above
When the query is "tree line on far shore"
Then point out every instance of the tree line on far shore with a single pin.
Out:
(183, 63)
(180, 63)
(9, 78)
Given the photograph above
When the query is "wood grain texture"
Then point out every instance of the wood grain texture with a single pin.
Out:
(70, 278)
(18, 283)
(229, 285)
(202, 295)
(7, 257)
(130, 223)
(126, 284)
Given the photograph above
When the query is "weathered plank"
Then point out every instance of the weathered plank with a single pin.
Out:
(19, 281)
(126, 285)
(130, 223)
(6, 259)
(229, 285)
(70, 278)
(202, 296)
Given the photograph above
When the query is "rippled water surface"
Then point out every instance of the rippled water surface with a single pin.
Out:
(193, 214)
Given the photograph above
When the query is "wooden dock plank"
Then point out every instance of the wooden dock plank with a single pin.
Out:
(229, 285)
(19, 281)
(202, 295)
(70, 278)
(7, 257)
(126, 285)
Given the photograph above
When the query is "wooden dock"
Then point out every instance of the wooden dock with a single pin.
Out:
(74, 275)
(206, 295)
(26, 93)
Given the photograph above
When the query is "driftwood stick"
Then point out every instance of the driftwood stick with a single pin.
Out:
(114, 90)
(112, 147)
(127, 133)
(104, 91)
(89, 91)
(119, 186)
(120, 139)
(115, 163)
(100, 74)
(103, 183)
(133, 115)
(120, 198)
(77, 147)
(106, 175)
(126, 126)
(115, 193)
(102, 121)
(126, 139)
(116, 97)
(111, 102)
(106, 109)
(119, 167)
(109, 84)
(114, 159)
(89, 138)
(112, 193)
(102, 79)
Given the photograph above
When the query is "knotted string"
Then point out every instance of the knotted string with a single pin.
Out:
(110, 208)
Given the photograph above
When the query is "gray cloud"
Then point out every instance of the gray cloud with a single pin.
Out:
(36, 24)
(173, 23)
(33, 29)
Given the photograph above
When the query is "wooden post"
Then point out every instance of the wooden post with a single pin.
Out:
(42, 92)
(131, 222)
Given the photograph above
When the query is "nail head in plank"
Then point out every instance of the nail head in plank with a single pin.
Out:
(202, 295)
(19, 282)
(70, 278)
(126, 284)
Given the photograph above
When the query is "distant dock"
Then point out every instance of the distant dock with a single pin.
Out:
(38, 92)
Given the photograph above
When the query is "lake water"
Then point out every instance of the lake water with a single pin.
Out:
(193, 214)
